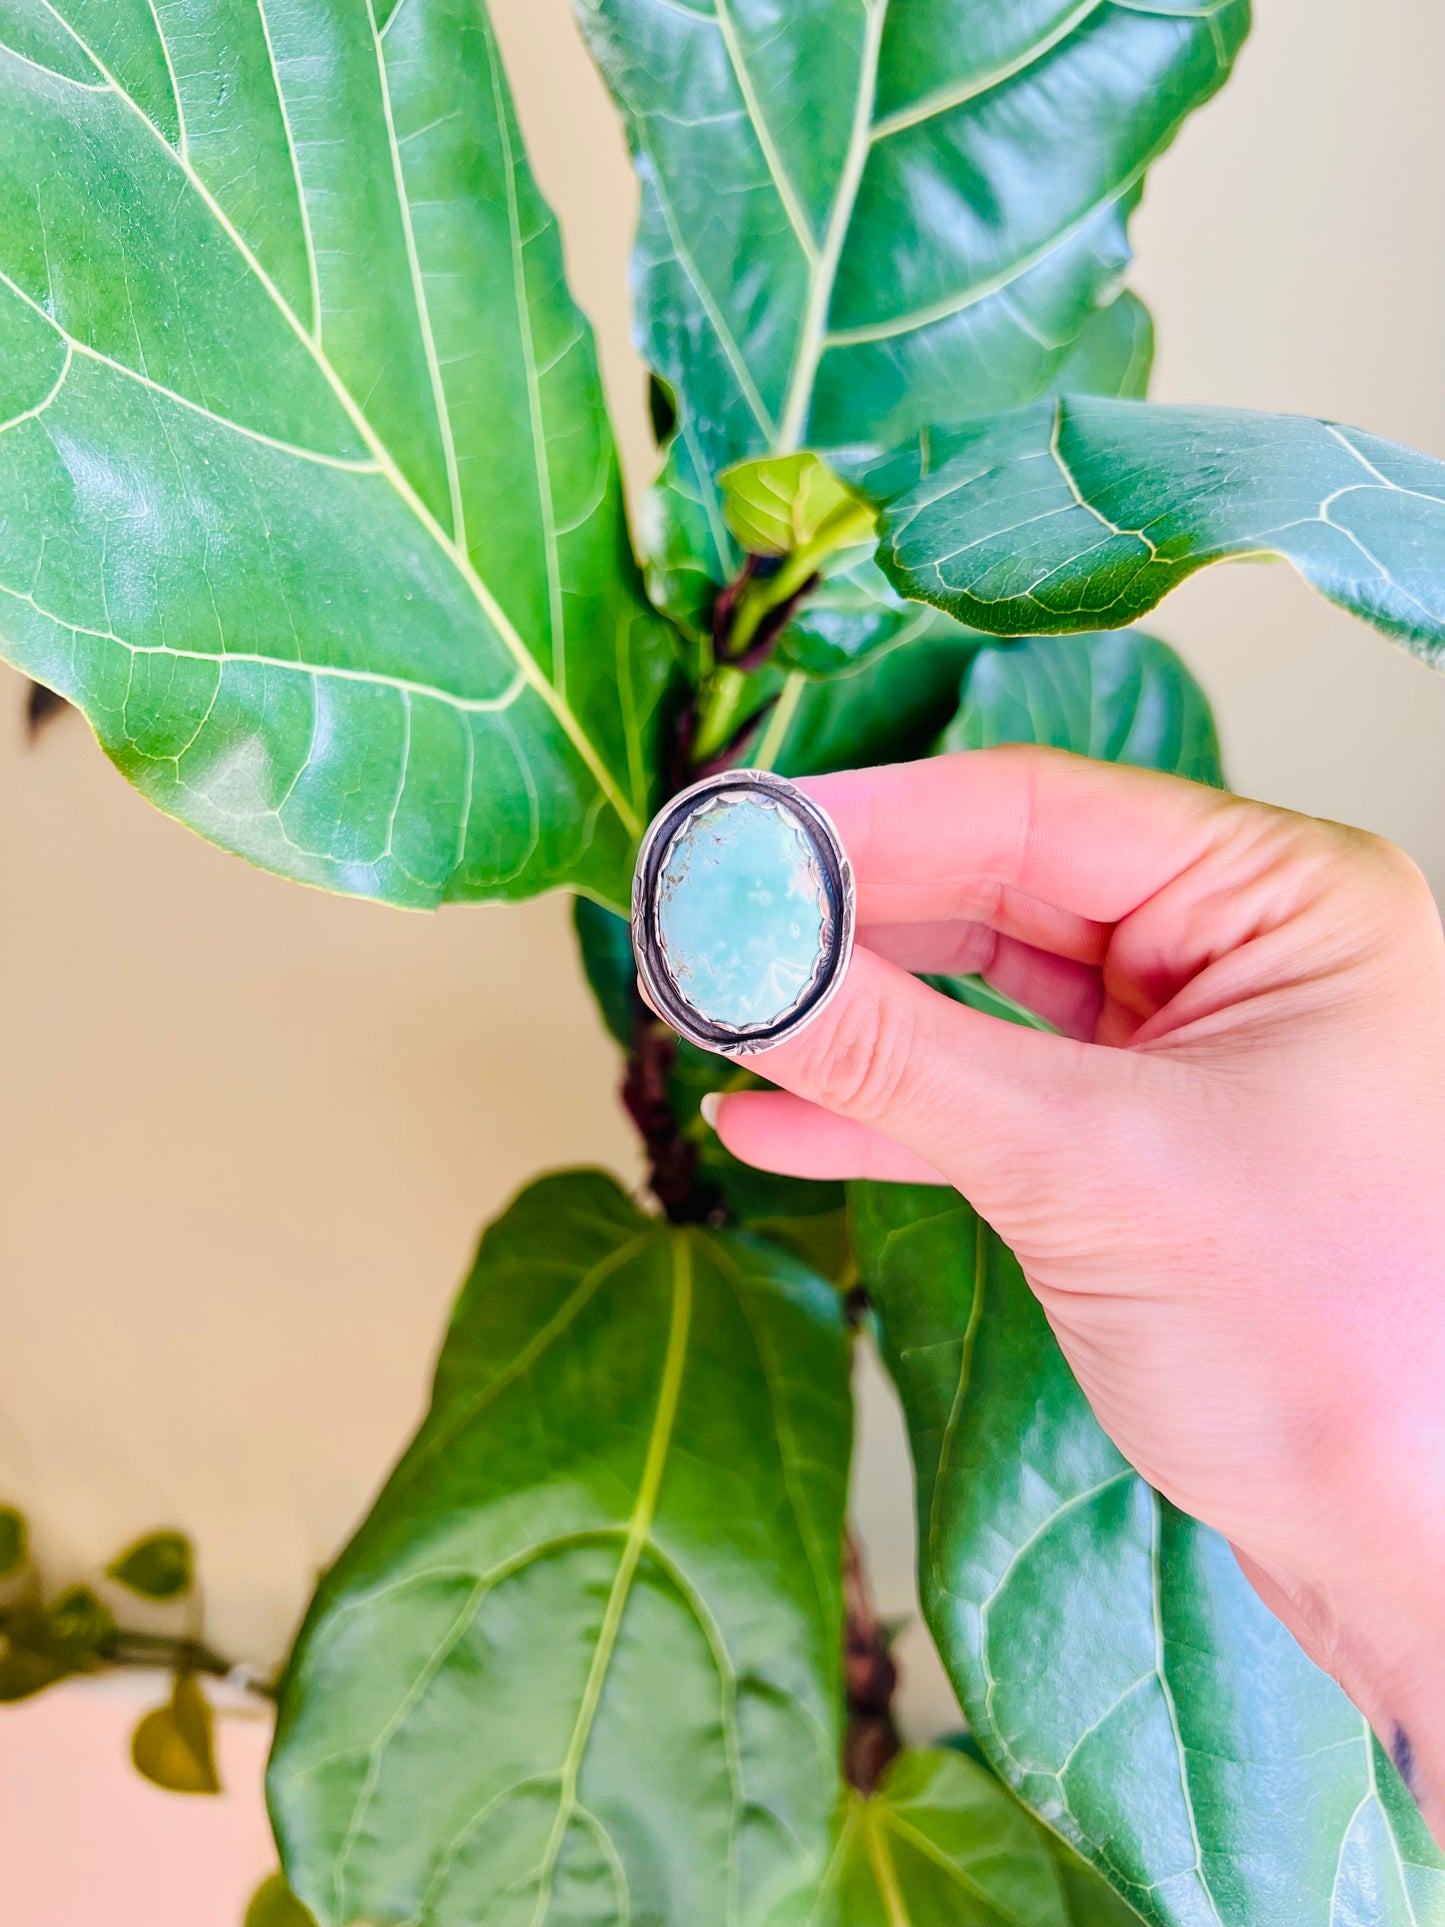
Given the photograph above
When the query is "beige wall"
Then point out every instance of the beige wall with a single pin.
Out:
(247, 1132)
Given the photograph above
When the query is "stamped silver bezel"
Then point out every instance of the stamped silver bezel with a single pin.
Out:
(657, 982)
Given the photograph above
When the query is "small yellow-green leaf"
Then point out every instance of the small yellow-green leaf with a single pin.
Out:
(79, 1622)
(14, 1542)
(157, 1567)
(174, 1746)
(786, 503)
(29, 1658)
(274, 1905)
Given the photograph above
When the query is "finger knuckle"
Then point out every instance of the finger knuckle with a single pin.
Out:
(866, 1060)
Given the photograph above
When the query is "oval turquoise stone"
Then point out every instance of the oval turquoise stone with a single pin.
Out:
(743, 915)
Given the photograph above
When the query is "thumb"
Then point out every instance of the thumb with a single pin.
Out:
(968, 1098)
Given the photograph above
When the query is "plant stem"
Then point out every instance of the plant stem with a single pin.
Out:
(124, 1648)
(713, 733)
(709, 737)
(750, 615)
(871, 1738)
(719, 710)
(765, 594)
(646, 1094)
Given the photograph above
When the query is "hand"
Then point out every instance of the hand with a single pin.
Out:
(1225, 1180)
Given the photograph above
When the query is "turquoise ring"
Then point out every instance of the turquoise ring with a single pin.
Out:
(743, 911)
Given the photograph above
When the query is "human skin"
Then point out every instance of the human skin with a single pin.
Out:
(1225, 1181)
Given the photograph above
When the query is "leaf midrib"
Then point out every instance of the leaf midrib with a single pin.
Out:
(386, 462)
(880, 1861)
(815, 338)
(639, 1528)
(958, 1874)
(823, 269)
(982, 1235)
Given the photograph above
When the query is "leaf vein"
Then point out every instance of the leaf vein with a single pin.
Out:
(948, 98)
(308, 239)
(419, 295)
(569, 722)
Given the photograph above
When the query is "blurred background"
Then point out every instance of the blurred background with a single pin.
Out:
(248, 1132)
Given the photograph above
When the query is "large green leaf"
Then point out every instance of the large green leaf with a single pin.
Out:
(859, 219)
(1083, 513)
(854, 615)
(604, 943)
(855, 612)
(1123, 697)
(1112, 1660)
(941, 1844)
(582, 1663)
(307, 494)
(888, 709)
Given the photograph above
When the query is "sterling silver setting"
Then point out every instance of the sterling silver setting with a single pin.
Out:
(840, 895)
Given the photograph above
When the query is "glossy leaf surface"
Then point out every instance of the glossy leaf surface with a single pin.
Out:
(917, 194)
(1122, 697)
(888, 709)
(862, 218)
(582, 1662)
(855, 612)
(307, 496)
(1091, 1901)
(604, 944)
(786, 502)
(1084, 513)
(1112, 1660)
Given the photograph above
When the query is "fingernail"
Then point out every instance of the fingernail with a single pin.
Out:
(710, 1106)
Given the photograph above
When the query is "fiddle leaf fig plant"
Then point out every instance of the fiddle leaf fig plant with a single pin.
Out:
(309, 500)
(1085, 512)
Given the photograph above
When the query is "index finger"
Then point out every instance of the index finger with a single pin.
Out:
(1038, 842)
